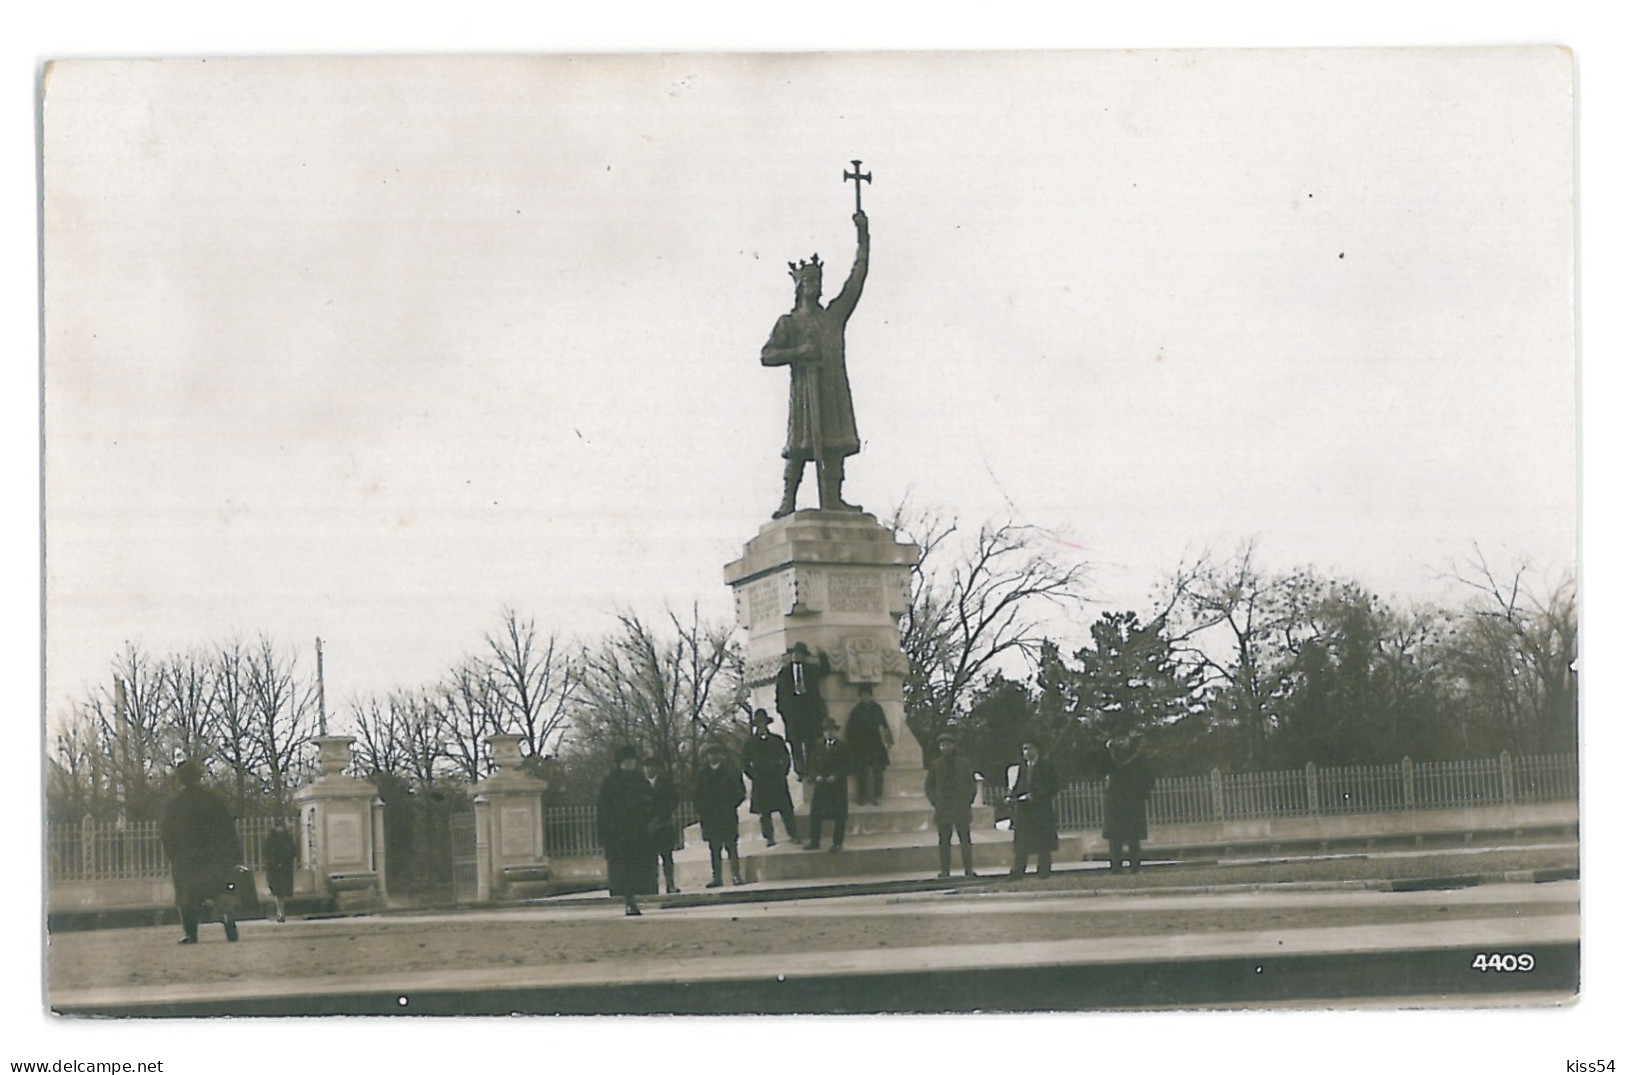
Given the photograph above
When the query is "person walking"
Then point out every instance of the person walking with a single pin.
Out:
(1128, 789)
(663, 824)
(765, 758)
(625, 817)
(950, 785)
(278, 852)
(829, 766)
(200, 840)
(1032, 794)
(869, 739)
(718, 791)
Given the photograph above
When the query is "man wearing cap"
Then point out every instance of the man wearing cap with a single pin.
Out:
(869, 739)
(663, 818)
(828, 766)
(950, 785)
(718, 791)
(201, 842)
(1128, 788)
(1032, 793)
(766, 760)
(798, 694)
(625, 814)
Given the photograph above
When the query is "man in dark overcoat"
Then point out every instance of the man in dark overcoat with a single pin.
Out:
(869, 739)
(1128, 789)
(798, 694)
(829, 766)
(663, 826)
(950, 785)
(718, 791)
(200, 840)
(279, 852)
(1032, 795)
(766, 760)
(625, 818)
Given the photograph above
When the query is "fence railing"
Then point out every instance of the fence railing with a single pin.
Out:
(134, 850)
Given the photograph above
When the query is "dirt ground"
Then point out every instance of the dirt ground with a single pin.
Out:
(585, 932)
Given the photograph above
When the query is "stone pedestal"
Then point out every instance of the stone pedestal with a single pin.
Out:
(837, 581)
(510, 837)
(342, 821)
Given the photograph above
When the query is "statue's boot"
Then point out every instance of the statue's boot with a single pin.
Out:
(792, 483)
(830, 478)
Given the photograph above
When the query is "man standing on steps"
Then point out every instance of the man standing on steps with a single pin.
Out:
(950, 785)
(765, 758)
(829, 766)
(200, 840)
(798, 692)
(625, 816)
(718, 791)
(1033, 796)
(663, 823)
(869, 739)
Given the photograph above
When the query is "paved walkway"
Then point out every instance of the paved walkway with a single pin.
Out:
(1250, 964)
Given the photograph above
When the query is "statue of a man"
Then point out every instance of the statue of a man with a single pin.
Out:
(811, 340)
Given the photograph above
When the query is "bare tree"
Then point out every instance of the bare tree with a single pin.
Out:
(1515, 656)
(281, 704)
(977, 607)
(234, 721)
(662, 694)
(188, 684)
(130, 722)
(467, 713)
(1235, 624)
(534, 680)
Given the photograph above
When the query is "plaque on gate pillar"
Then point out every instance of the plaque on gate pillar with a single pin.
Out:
(343, 843)
(509, 833)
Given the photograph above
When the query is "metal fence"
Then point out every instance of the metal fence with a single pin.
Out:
(134, 850)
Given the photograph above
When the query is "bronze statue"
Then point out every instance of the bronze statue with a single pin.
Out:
(811, 340)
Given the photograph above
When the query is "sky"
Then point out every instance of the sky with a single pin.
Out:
(367, 349)
(1159, 260)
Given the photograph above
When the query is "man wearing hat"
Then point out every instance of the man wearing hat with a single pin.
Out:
(625, 823)
(950, 785)
(1128, 788)
(798, 694)
(828, 766)
(869, 739)
(201, 842)
(766, 760)
(1032, 794)
(718, 791)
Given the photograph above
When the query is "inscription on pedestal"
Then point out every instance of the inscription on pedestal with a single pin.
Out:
(343, 838)
(516, 836)
(855, 591)
(762, 598)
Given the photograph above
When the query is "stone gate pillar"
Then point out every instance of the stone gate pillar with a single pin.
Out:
(341, 819)
(508, 827)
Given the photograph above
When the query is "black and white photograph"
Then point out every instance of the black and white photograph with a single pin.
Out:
(953, 533)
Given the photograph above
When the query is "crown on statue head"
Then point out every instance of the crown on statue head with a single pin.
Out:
(811, 268)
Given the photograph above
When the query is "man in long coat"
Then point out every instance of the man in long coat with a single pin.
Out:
(1032, 794)
(869, 738)
(766, 760)
(663, 826)
(798, 692)
(279, 852)
(200, 840)
(811, 340)
(625, 821)
(718, 791)
(950, 785)
(1128, 789)
(829, 765)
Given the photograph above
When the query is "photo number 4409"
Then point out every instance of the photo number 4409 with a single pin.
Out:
(1488, 961)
